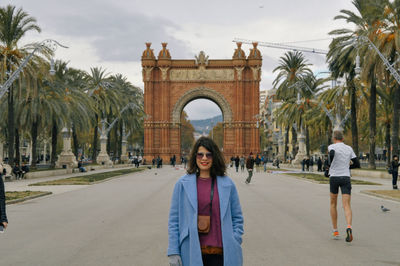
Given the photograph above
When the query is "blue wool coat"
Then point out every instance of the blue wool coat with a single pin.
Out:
(183, 237)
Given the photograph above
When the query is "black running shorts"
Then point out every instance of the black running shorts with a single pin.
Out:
(340, 181)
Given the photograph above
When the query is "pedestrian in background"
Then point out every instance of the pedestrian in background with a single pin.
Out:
(242, 162)
(319, 164)
(265, 160)
(394, 168)
(3, 215)
(258, 162)
(250, 167)
(237, 161)
(205, 224)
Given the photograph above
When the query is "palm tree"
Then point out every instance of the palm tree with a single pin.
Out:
(341, 59)
(81, 111)
(14, 24)
(366, 23)
(388, 42)
(131, 118)
(292, 68)
(104, 96)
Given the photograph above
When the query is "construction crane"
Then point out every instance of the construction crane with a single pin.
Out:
(283, 46)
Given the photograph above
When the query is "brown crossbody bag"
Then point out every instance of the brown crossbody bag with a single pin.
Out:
(204, 221)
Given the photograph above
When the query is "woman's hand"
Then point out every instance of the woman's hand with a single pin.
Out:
(175, 260)
(5, 225)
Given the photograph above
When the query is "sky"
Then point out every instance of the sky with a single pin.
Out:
(112, 34)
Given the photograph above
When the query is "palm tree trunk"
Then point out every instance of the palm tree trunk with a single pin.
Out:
(286, 144)
(116, 141)
(34, 133)
(328, 133)
(294, 141)
(120, 139)
(17, 153)
(54, 133)
(372, 122)
(387, 143)
(96, 128)
(396, 114)
(307, 141)
(10, 126)
(109, 143)
(75, 141)
(354, 127)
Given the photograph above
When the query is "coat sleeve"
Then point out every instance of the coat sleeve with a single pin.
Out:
(173, 223)
(3, 215)
(237, 215)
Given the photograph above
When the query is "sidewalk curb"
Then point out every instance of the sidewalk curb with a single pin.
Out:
(29, 198)
(378, 195)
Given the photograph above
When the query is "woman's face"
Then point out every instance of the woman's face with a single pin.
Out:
(204, 159)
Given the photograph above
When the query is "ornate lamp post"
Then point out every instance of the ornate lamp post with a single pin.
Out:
(103, 157)
(48, 43)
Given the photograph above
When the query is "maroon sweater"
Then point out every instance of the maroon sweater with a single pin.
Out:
(214, 237)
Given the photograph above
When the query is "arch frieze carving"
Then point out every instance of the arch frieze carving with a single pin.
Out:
(201, 92)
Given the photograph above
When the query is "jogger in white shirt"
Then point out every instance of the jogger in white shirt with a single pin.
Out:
(342, 158)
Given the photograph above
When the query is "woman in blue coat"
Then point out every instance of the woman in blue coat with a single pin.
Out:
(205, 224)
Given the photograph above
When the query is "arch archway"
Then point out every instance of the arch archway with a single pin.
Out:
(201, 92)
(170, 84)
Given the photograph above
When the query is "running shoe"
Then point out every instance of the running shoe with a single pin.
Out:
(349, 237)
(335, 235)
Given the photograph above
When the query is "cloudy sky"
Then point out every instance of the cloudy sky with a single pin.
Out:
(111, 34)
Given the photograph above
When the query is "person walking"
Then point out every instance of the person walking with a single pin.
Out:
(265, 160)
(258, 162)
(3, 214)
(237, 162)
(342, 158)
(307, 162)
(205, 225)
(250, 167)
(394, 168)
(319, 164)
(242, 162)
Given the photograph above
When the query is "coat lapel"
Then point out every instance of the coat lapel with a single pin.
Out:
(189, 184)
(224, 191)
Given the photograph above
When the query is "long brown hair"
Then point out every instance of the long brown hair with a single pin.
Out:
(218, 166)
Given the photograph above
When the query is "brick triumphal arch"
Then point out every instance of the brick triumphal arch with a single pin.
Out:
(170, 84)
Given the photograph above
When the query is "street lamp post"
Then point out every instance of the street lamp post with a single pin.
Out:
(103, 157)
(48, 43)
(389, 66)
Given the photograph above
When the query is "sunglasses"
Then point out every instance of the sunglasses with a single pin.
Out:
(200, 155)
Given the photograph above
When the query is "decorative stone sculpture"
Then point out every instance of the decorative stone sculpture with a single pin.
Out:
(66, 159)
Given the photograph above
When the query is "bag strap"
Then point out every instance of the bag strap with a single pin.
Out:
(211, 194)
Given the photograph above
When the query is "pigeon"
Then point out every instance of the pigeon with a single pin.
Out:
(384, 209)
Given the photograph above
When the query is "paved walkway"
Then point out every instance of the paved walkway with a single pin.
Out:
(124, 222)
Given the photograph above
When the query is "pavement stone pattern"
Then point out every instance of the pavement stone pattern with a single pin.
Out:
(123, 221)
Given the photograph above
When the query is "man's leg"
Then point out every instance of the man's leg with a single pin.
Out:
(346, 198)
(249, 177)
(333, 210)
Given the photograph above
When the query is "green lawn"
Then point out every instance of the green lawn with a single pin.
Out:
(88, 179)
(388, 193)
(324, 180)
(15, 195)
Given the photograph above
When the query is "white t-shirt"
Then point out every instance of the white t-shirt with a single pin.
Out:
(341, 161)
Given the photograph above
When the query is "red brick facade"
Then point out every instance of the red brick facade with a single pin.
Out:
(171, 84)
